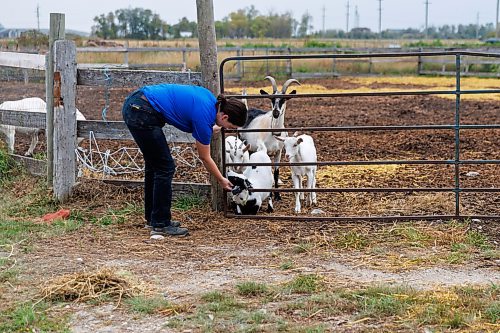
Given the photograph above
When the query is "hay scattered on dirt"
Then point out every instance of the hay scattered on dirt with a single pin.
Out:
(85, 286)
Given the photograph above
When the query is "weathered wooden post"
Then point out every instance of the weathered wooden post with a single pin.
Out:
(210, 76)
(56, 33)
(64, 119)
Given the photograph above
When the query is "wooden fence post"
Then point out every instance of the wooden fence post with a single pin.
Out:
(65, 120)
(56, 33)
(210, 75)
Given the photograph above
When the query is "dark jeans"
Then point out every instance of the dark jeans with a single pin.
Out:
(145, 125)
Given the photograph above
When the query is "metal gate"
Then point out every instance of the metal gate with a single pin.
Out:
(456, 162)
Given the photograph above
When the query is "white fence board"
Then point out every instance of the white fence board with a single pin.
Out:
(22, 60)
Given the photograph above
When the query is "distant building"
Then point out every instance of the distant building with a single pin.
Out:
(11, 33)
(186, 34)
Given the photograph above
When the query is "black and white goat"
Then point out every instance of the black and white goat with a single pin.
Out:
(33, 104)
(247, 201)
(274, 119)
(301, 148)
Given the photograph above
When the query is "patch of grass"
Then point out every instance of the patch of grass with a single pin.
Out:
(219, 302)
(303, 284)
(492, 312)
(382, 301)
(351, 240)
(477, 239)
(7, 166)
(117, 216)
(28, 317)
(286, 265)
(187, 202)
(303, 247)
(251, 288)
(146, 305)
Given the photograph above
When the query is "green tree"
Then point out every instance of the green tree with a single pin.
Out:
(136, 23)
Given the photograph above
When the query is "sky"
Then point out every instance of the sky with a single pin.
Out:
(396, 14)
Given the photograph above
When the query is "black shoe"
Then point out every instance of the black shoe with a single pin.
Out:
(172, 223)
(169, 231)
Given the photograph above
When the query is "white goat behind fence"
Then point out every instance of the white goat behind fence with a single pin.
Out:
(301, 149)
(236, 152)
(32, 104)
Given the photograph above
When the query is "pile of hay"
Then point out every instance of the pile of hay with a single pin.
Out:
(104, 283)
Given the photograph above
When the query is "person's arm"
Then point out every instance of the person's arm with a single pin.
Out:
(208, 162)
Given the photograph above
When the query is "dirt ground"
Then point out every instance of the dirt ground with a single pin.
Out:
(221, 252)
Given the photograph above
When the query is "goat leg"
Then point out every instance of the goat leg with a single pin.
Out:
(277, 195)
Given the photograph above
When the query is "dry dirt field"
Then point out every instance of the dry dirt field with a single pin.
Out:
(313, 275)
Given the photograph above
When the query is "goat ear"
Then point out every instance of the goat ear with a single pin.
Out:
(299, 140)
(247, 147)
(263, 92)
(293, 92)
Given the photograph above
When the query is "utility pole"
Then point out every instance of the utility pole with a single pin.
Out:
(209, 72)
(356, 17)
(347, 19)
(426, 19)
(496, 23)
(324, 14)
(380, 18)
(38, 16)
(477, 26)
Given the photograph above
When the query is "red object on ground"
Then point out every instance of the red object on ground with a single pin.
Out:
(61, 214)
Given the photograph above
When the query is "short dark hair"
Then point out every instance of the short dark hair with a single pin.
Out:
(235, 109)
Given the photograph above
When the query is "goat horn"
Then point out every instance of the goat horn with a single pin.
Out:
(287, 84)
(273, 82)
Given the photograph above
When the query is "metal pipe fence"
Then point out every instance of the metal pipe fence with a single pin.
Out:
(456, 162)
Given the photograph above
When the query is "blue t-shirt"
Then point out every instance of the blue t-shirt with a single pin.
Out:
(188, 108)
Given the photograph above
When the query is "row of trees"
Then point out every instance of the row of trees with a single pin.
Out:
(138, 23)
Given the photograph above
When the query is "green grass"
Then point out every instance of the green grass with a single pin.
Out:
(302, 284)
(219, 302)
(141, 304)
(251, 288)
(383, 301)
(287, 265)
(187, 202)
(7, 166)
(351, 240)
(114, 216)
(28, 317)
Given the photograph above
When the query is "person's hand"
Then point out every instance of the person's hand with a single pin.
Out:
(226, 184)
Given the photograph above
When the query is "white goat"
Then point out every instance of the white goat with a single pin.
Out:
(259, 119)
(247, 201)
(301, 149)
(236, 152)
(33, 104)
